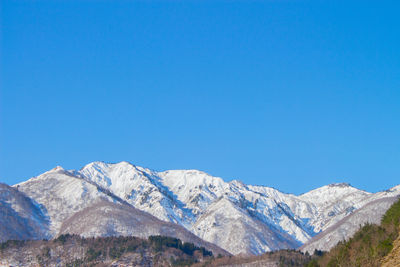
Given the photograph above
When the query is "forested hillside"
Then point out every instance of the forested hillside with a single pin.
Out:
(72, 250)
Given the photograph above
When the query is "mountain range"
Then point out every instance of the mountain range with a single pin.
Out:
(103, 199)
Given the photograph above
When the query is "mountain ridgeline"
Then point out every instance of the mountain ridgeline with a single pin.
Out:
(105, 200)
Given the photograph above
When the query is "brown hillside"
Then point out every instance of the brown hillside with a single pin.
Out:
(393, 259)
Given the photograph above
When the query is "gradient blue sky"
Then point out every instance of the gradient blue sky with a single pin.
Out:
(289, 94)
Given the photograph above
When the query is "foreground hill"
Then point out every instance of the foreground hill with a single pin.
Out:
(72, 250)
(67, 250)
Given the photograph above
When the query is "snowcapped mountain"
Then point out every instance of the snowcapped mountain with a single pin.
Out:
(236, 217)
(77, 206)
(186, 197)
(61, 194)
(262, 218)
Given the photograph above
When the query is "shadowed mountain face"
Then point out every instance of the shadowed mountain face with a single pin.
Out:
(20, 217)
(104, 199)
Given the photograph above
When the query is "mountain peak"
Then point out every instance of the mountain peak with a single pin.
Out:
(58, 168)
(95, 164)
(101, 166)
(340, 185)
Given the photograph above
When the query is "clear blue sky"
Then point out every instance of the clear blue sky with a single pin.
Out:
(290, 94)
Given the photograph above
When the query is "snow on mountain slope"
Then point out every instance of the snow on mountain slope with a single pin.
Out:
(194, 188)
(61, 195)
(119, 219)
(345, 228)
(138, 186)
(392, 192)
(20, 217)
(272, 208)
(230, 227)
(367, 210)
(199, 190)
(333, 202)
